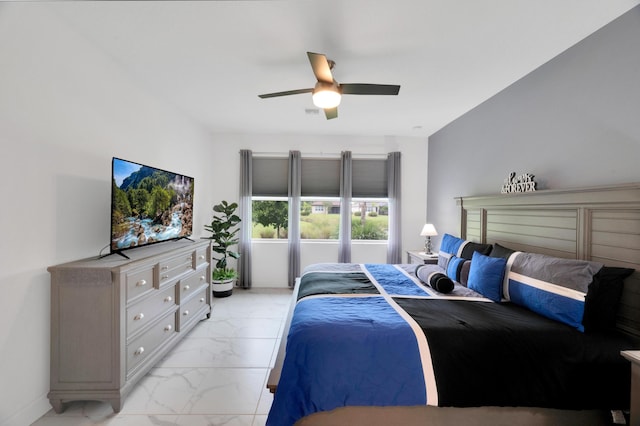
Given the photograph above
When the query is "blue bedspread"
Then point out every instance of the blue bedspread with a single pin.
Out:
(372, 347)
(394, 282)
(318, 377)
(403, 344)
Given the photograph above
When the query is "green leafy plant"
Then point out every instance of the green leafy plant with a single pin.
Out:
(224, 230)
(220, 274)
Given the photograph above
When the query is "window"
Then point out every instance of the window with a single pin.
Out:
(320, 201)
(370, 219)
(370, 205)
(319, 218)
(270, 217)
(269, 202)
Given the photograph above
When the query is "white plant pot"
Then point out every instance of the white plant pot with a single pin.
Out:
(223, 288)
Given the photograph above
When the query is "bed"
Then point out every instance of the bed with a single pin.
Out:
(378, 344)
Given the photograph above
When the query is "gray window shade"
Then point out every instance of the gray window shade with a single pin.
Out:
(320, 177)
(369, 178)
(270, 177)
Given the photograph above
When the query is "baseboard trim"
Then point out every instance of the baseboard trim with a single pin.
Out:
(28, 413)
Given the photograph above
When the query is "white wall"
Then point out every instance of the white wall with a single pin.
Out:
(269, 261)
(65, 110)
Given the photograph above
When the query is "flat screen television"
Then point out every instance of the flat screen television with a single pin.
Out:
(148, 205)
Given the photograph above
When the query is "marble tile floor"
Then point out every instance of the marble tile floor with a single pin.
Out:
(215, 376)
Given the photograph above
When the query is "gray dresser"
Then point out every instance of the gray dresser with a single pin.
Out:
(113, 318)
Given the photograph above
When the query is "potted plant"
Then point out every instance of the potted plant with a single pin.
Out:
(223, 230)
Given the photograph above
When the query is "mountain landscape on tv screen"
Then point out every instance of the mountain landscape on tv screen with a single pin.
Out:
(150, 206)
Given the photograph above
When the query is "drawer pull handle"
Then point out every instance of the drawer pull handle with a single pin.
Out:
(139, 351)
(201, 299)
(138, 317)
(186, 287)
(202, 278)
(141, 283)
(164, 277)
(169, 327)
(168, 299)
(201, 257)
(165, 267)
(185, 313)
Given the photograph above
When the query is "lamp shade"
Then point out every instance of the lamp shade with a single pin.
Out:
(428, 230)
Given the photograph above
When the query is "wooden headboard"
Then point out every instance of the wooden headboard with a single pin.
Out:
(600, 224)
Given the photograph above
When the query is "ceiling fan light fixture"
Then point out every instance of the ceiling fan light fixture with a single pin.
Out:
(327, 92)
(326, 96)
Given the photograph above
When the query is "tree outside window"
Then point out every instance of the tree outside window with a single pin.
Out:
(270, 218)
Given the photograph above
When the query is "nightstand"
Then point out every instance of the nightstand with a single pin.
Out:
(634, 357)
(415, 256)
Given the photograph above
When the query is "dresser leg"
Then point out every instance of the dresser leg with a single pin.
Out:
(116, 404)
(57, 405)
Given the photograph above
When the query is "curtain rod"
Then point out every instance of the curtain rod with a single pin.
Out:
(317, 154)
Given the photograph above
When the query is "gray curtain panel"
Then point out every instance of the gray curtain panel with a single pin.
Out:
(244, 245)
(394, 248)
(344, 248)
(295, 178)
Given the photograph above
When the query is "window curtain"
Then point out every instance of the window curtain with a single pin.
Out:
(344, 248)
(244, 244)
(394, 248)
(295, 178)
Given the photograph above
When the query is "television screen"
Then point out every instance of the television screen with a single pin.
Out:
(148, 205)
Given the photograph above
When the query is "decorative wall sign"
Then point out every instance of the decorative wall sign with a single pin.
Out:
(522, 183)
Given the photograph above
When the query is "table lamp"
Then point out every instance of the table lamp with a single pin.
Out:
(428, 231)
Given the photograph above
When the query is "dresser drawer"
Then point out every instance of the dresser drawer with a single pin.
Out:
(139, 282)
(201, 257)
(144, 346)
(193, 283)
(174, 262)
(190, 309)
(147, 310)
(173, 268)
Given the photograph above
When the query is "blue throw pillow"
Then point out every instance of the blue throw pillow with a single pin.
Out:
(486, 275)
(454, 267)
(450, 244)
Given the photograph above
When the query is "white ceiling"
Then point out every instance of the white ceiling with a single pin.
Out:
(211, 59)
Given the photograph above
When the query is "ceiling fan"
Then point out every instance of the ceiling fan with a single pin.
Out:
(327, 92)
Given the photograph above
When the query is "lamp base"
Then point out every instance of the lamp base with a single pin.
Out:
(427, 246)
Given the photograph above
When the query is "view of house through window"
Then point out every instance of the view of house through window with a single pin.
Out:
(320, 218)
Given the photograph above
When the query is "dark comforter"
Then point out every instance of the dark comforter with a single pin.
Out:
(379, 337)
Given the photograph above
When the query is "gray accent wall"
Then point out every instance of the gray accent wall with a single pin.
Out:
(573, 122)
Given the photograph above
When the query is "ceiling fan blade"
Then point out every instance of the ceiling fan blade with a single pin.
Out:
(320, 66)
(369, 89)
(286, 93)
(331, 113)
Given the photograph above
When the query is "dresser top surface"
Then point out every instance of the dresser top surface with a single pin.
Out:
(135, 255)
